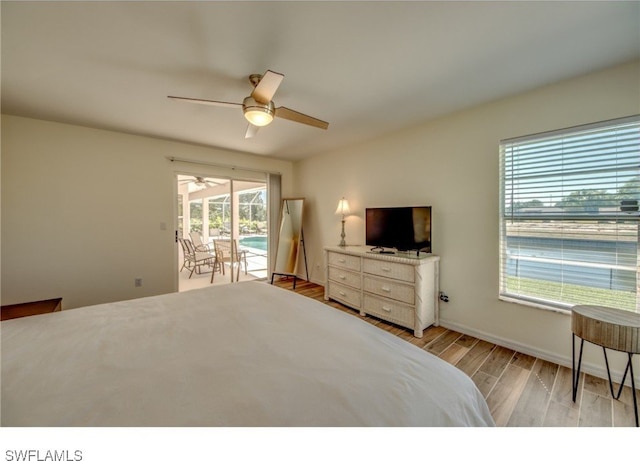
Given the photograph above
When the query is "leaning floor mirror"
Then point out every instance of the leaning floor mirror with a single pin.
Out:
(290, 240)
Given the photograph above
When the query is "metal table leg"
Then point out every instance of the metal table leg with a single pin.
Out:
(575, 374)
(628, 369)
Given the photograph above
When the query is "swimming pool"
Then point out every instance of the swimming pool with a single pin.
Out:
(259, 242)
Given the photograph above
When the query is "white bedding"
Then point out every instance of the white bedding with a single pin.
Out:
(245, 354)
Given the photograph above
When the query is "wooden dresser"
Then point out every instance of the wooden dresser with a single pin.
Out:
(400, 288)
(45, 306)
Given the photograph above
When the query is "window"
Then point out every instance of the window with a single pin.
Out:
(569, 216)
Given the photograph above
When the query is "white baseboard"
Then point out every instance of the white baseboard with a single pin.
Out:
(595, 370)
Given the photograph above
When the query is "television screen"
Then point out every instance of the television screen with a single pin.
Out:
(402, 228)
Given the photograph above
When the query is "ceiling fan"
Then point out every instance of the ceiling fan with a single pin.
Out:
(259, 108)
(199, 182)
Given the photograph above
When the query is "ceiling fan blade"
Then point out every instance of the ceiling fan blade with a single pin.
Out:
(266, 88)
(252, 130)
(289, 114)
(206, 102)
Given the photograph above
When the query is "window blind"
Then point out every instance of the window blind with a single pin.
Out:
(569, 216)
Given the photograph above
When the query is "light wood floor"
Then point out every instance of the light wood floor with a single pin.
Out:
(521, 390)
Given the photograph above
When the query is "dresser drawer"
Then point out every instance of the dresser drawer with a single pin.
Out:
(400, 288)
(389, 310)
(345, 277)
(390, 289)
(344, 261)
(398, 271)
(345, 294)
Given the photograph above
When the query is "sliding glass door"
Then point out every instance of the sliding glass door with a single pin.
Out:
(229, 219)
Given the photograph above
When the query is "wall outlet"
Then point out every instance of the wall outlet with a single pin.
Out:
(138, 282)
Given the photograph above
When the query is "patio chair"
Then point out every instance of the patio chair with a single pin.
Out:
(223, 252)
(196, 238)
(194, 260)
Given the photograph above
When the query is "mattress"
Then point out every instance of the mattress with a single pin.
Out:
(246, 354)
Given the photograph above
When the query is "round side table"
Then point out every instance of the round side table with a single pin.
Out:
(609, 328)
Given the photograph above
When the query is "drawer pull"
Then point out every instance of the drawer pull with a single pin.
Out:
(342, 293)
(342, 261)
(385, 289)
(342, 277)
(385, 269)
(386, 309)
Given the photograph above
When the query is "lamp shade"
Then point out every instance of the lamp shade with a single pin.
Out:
(343, 207)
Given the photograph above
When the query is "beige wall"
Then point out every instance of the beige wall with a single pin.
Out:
(452, 164)
(83, 210)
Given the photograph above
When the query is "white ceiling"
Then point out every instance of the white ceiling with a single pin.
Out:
(365, 67)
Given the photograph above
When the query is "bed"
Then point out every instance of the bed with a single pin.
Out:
(239, 355)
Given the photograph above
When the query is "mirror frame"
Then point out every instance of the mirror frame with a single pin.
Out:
(279, 242)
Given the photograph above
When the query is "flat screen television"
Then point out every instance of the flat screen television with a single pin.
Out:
(400, 228)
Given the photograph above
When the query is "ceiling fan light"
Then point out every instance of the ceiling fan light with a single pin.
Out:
(258, 117)
(256, 113)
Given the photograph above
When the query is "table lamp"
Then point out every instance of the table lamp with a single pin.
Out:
(343, 209)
